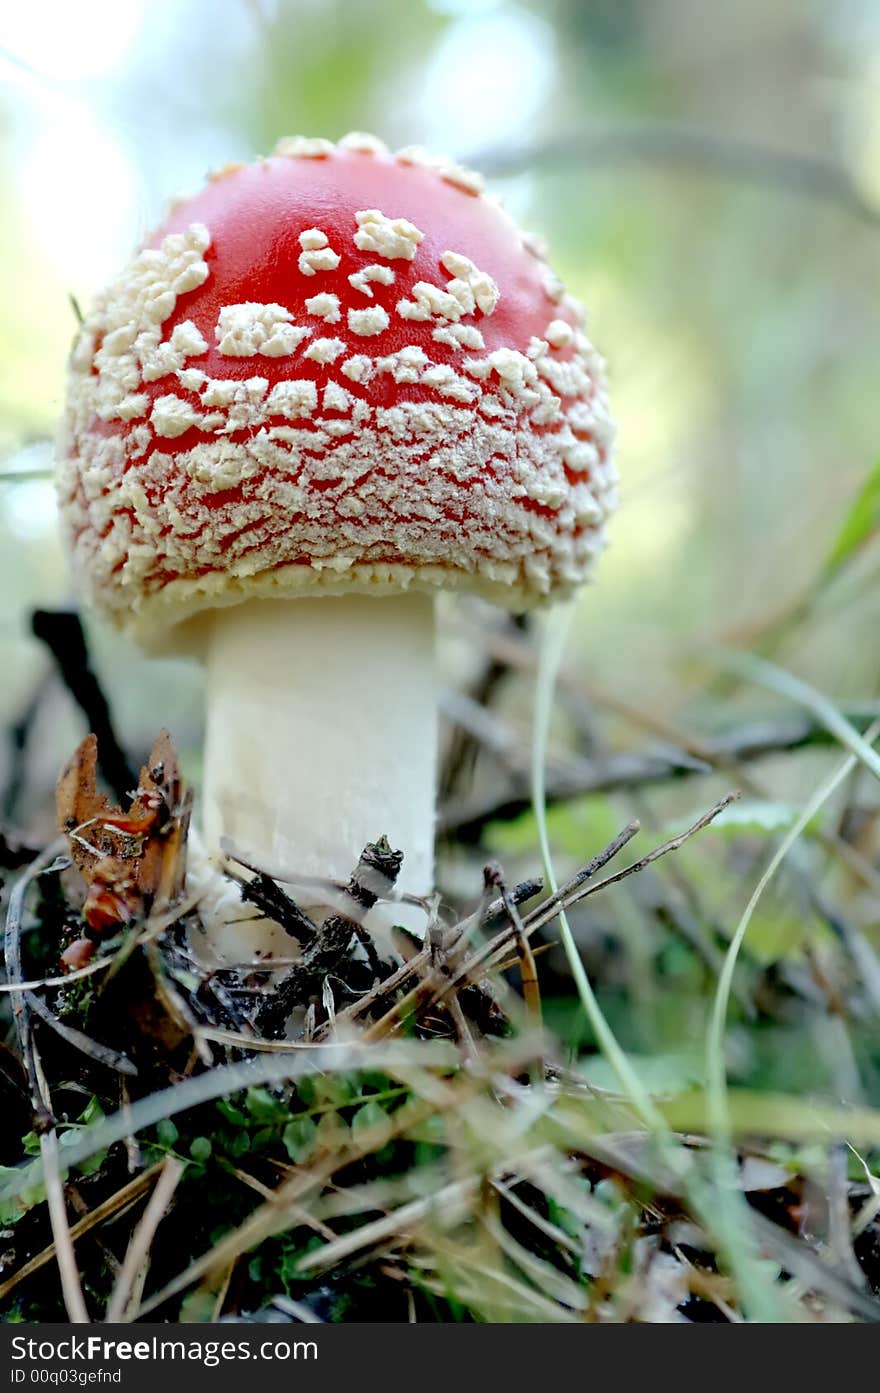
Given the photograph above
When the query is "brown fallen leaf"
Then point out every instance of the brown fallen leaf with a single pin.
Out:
(130, 859)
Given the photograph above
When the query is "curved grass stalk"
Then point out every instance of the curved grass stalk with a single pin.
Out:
(549, 659)
(777, 679)
(716, 1078)
(726, 1214)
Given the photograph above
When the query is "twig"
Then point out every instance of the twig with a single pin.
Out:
(600, 860)
(527, 969)
(138, 1248)
(581, 891)
(12, 953)
(63, 635)
(492, 953)
(115, 1205)
(268, 896)
(637, 769)
(810, 175)
(19, 734)
(373, 878)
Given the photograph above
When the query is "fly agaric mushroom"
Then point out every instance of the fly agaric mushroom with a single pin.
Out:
(335, 382)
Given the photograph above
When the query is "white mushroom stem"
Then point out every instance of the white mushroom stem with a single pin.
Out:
(321, 737)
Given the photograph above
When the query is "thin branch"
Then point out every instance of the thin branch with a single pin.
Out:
(63, 634)
(637, 769)
(544, 914)
(12, 952)
(581, 891)
(722, 156)
(528, 971)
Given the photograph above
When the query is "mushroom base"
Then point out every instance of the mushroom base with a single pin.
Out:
(321, 737)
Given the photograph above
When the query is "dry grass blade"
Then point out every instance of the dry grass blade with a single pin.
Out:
(110, 1208)
(283, 1209)
(251, 1042)
(279, 1212)
(139, 1246)
(65, 1256)
(450, 1202)
(64, 1253)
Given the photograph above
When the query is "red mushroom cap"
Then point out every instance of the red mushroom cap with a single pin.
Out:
(335, 370)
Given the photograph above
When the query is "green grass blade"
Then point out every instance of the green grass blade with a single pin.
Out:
(724, 1213)
(553, 642)
(860, 525)
(795, 689)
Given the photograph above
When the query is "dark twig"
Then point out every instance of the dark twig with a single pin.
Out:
(464, 743)
(373, 879)
(527, 969)
(813, 176)
(63, 635)
(19, 734)
(21, 1012)
(636, 769)
(581, 891)
(583, 885)
(268, 896)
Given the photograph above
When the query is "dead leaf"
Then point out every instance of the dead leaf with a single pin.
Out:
(130, 859)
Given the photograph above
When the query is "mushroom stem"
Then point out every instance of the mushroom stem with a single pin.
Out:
(322, 737)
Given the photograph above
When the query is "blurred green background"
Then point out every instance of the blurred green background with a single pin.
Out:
(708, 177)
